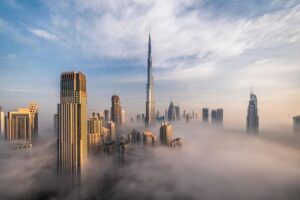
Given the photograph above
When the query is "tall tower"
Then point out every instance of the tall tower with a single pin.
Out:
(33, 109)
(116, 111)
(252, 115)
(150, 104)
(72, 129)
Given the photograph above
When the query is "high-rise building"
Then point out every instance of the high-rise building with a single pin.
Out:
(116, 115)
(217, 116)
(296, 124)
(171, 112)
(33, 109)
(177, 142)
(72, 129)
(205, 113)
(177, 112)
(123, 117)
(106, 116)
(149, 138)
(165, 133)
(94, 134)
(18, 125)
(112, 130)
(252, 115)
(2, 122)
(150, 103)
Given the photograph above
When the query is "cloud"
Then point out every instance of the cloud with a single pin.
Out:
(43, 34)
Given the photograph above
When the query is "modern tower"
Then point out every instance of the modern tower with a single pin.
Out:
(18, 125)
(165, 133)
(2, 121)
(172, 112)
(33, 109)
(205, 113)
(116, 111)
(252, 115)
(150, 104)
(94, 134)
(72, 129)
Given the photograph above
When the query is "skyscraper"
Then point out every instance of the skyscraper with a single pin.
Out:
(165, 133)
(217, 116)
(150, 104)
(72, 129)
(33, 109)
(2, 121)
(177, 112)
(18, 125)
(296, 124)
(123, 116)
(106, 116)
(252, 115)
(171, 112)
(94, 134)
(116, 115)
(205, 113)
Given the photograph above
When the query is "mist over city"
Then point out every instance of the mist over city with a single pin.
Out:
(147, 100)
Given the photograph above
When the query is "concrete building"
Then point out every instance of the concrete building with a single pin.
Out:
(2, 121)
(18, 125)
(149, 138)
(171, 112)
(252, 115)
(72, 129)
(116, 115)
(94, 134)
(33, 109)
(150, 102)
(205, 115)
(296, 124)
(165, 133)
(177, 142)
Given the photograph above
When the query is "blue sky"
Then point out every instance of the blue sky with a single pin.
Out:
(205, 53)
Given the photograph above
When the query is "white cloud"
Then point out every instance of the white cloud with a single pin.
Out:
(43, 34)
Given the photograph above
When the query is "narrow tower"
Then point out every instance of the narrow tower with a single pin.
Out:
(150, 104)
(252, 115)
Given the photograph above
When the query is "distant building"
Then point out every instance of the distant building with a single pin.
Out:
(123, 145)
(109, 147)
(205, 114)
(165, 133)
(33, 109)
(106, 116)
(143, 117)
(112, 130)
(94, 134)
(138, 118)
(18, 125)
(149, 138)
(217, 116)
(2, 121)
(177, 112)
(171, 112)
(116, 111)
(123, 117)
(296, 124)
(252, 115)
(177, 142)
(134, 136)
(72, 130)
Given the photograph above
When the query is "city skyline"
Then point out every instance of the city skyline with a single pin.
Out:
(199, 64)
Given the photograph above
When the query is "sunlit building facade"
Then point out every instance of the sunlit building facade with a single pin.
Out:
(72, 129)
(94, 134)
(165, 133)
(116, 111)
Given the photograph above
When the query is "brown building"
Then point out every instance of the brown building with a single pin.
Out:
(116, 111)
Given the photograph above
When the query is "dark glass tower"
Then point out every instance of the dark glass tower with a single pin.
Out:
(252, 115)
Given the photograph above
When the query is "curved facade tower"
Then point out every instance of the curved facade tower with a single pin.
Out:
(150, 104)
(252, 115)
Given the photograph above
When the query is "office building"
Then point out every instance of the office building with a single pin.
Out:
(217, 116)
(123, 117)
(205, 114)
(94, 134)
(150, 103)
(116, 115)
(165, 133)
(171, 112)
(296, 124)
(149, 138)
(252, 115)
(72, 129)
(2, 121)
(18, 125)
(106, 116)
(112, 130)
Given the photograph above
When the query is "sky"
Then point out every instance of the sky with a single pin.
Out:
(206, 53)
